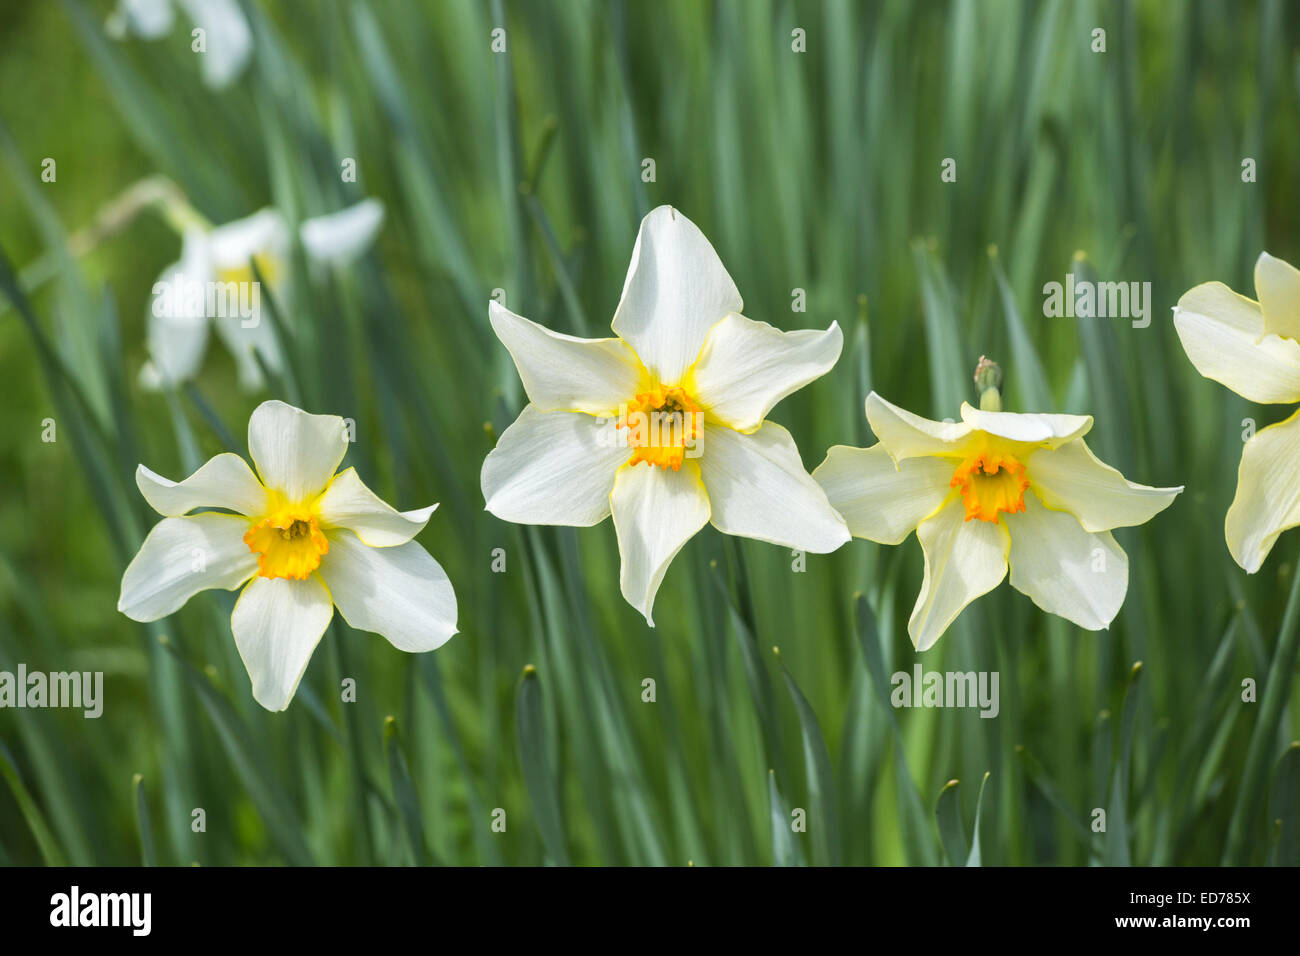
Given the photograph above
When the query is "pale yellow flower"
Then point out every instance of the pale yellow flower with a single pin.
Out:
(1254, 349)
(996, 490)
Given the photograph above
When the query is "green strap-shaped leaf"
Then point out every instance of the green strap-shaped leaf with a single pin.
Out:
(404, 795)
(539, 776)
(1040, 778)
(947, 811)
(147, 854)
(1116, 852)
(785, 852)
(975, 858)
(1273, 701)
(1285, 807)
(821, 782)
(1026, 379)
(916, 827)
(237, 740)
(45, 841)
(949, 374)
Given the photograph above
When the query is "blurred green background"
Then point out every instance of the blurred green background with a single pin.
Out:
(522, 171)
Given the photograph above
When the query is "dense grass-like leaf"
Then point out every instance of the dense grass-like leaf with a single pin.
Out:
(1284, 803)
(538, 774)
(821, 783)
(31, 812)
(148, 856)
(408, 802)
(947, 811)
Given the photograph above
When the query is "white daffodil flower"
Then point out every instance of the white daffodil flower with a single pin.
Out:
(1254, 349)
(213, 283)
(227, 37)
(302, 540)
(664, 425)
(994, 488)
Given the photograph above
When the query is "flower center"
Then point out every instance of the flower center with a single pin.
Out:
(267, 265)
(663, 425)
(288, 543)
(991, 483)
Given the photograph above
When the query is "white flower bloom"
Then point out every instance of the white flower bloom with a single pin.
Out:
(227, 37)
(663, 426)
(302, 540)
(994, 489)
(1254, 349)
(212, 282)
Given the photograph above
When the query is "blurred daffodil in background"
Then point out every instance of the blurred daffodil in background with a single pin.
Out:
(300, 539)
(664, 425)
(214, 285)
(227, 39)
(995, 490)
(1253, 347)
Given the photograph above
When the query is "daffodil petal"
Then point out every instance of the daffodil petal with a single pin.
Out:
(656, 511)
(239, 320)
(176, 346)
(1066, 570)
(177, 328)
(339, 238)
(150, 19)
(676, 290)
(348, 503)
(181, 557)
(746, 367)
(554, 468)
(295, 453)
(234, 243)
(878, 499)
(1221, 334)
(758, 489)
(229, 39)
(1268, 493)
(564, 372)
(906, 435)
(1277, 283)
(225, 481)
(246, 337)
(277, 623)
(963, 559)
(1036, 428)
(1071, 478)
(400, 593)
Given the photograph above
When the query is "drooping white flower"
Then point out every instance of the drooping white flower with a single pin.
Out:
(664, 425)
(1254, 349)
(213, 284)
(994, 489)
(302, 540)
(227, 37)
